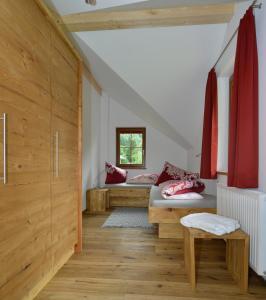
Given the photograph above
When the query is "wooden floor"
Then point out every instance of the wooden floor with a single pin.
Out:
(133, 264)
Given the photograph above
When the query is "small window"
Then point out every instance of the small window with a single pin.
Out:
(130, 148)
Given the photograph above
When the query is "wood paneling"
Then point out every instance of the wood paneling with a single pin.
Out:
(174, 16)
(78, 246)
(39, 93)
(133, 264)
(53, 18)
(64, 181)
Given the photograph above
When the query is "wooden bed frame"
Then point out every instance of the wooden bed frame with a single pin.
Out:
(168, 219)
(129, 197)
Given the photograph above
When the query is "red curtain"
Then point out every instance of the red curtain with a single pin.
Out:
(243, 122)
(208, 169)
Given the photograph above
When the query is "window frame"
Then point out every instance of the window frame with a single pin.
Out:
(126, 130)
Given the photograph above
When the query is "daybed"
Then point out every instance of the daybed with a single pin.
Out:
(129, 195)
(167, 213)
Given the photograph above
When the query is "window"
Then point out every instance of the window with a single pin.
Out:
(130, 148)
(225, 90)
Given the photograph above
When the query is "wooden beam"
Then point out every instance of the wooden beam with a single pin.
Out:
(181, 15)
(88, 74)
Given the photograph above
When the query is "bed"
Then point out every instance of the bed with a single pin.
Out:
(128, 195)
(167, 213)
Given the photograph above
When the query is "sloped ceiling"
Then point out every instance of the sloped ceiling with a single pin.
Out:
(155, 72)
(167, 67)
(119, 90)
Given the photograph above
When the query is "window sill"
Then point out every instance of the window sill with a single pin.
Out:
(128, 167)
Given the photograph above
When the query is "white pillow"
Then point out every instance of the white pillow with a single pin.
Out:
(187, 196)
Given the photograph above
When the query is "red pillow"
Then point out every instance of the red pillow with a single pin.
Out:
(183, 187)
(114, 174)
(170, 172)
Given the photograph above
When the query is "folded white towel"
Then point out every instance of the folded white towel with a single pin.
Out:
(212, 223)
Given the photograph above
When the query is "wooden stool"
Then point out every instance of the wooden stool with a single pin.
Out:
(97, 200)
(237, 254)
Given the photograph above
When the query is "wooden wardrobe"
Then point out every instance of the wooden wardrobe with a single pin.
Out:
(40, 150)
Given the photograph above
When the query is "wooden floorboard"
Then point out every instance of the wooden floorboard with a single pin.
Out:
(133, 264)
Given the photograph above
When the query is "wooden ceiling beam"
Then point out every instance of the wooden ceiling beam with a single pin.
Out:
(181, 15)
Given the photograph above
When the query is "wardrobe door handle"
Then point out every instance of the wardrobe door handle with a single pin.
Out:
(4, 178)
(56, 154)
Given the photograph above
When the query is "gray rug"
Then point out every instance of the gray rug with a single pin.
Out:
(127, 217)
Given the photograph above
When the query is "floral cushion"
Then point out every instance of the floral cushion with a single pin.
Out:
(191, 176)
(183, 187)
(114, 174)
(144, 179)
(170, 172)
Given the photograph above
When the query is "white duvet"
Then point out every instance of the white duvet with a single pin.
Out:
(186, 196)
(212, 223)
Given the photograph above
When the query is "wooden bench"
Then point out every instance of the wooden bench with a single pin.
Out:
(97, 200)
(100, 199)
(129, 197)
(237, 254)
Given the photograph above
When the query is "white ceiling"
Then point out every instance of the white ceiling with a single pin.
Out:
(154, 71)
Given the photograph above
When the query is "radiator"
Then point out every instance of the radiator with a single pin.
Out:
(249, 208)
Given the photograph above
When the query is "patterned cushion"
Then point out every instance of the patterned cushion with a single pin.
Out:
(183, 187)
(192, 176)
(170, 172)
(114, 174)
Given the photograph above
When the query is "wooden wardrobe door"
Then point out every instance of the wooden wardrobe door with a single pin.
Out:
(25, 206)
(64, 86)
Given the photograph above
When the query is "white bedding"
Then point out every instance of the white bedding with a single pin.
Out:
(127, 185)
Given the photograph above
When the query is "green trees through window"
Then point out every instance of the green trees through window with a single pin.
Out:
(131, 147)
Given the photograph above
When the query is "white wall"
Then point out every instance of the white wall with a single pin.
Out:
(159, 148)
(91, 139)
(261, 38)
